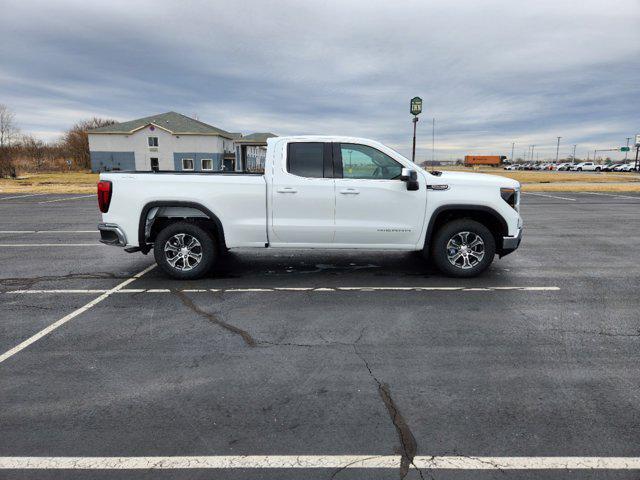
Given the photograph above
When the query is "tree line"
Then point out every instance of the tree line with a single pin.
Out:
(25, 152)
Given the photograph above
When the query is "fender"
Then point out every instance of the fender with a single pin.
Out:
(142, 241)
(460, 206)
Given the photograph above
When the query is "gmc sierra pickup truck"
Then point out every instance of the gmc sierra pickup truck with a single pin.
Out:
(316, 192)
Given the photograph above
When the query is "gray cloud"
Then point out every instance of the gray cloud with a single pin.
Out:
(490, 72)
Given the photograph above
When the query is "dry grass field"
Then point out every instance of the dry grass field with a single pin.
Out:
(85, 182)
(54, 182)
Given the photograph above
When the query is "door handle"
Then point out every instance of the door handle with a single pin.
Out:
(287, 190)
(350, 191)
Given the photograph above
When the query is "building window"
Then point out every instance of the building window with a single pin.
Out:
(153, 141)
(187, 164)
(207, 164)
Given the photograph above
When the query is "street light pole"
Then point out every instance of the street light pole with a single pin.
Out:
(573, 158)
(513, 145)
(413, 151)
(627, 152)
(558, 149)
(415, 108)
(532, 149)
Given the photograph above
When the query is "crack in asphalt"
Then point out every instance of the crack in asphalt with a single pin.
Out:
(248, 339)
(408, 444)
(30, 281)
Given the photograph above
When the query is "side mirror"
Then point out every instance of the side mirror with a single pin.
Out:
(411, 177)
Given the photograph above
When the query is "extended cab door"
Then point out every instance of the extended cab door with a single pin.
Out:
(373, 206)
(303, 196)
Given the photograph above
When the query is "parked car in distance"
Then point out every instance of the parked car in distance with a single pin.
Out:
(511, 167)
(564, 166)
(587, 167)
(328, 192)
(627, 167)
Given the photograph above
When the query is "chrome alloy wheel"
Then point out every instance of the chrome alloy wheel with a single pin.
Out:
(183, 252)
(465, 250)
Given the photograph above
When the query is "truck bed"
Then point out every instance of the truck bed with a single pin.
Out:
(238, 200)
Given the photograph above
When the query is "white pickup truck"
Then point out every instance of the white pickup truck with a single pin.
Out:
(316, 192)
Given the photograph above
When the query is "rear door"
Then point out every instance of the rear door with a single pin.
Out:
(373, 206)
(303, 196)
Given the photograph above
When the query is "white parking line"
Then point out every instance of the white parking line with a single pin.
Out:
(25, 245)
(65, 199)
(613, 195)
(48, 231)
(23, 196)
(293, 289)
(230, 462)
(75, 313)
(550, 196)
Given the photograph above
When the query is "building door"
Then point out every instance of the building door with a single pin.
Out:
(155, 166)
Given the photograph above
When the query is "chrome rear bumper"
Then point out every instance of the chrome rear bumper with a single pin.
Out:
(112, 234)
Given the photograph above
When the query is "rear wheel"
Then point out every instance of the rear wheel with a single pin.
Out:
(463, 248)
(185, 250)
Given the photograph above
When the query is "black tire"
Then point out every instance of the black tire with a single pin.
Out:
(447, 232)
(207, 250)
(579, 169)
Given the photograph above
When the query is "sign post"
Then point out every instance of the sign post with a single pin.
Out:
(637, 165)
(415, 109)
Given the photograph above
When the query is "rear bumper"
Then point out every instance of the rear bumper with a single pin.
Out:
(510, 244)
(112, 234)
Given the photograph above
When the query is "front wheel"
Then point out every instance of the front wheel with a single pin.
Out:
(463, 248)
(185, 251)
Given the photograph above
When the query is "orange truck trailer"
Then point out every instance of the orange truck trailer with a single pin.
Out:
(493, 160)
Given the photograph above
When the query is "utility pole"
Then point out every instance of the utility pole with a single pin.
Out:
(558, 149)
(433, 140)
(513, 145)
(627, 152)
(573, 158)
(532, 148)
(594, 155)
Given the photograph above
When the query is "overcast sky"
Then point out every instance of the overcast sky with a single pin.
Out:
(489, 72)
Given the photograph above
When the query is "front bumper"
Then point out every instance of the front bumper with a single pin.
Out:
(112, 234)
(510, 244)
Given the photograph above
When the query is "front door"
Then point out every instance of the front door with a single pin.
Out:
(373, 206)
(303, 197)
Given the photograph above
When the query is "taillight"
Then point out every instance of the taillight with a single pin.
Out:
(104, 195)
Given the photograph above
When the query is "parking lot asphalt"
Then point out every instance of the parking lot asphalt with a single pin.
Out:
(294, 355)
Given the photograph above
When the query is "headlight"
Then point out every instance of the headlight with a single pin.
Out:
(511, 196)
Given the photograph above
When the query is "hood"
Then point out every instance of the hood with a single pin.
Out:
(468, 178)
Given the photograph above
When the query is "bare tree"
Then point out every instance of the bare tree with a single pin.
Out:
(76, 140)
(8, 128)
(8, 131)
(34, 149)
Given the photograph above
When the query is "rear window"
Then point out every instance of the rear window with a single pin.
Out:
(306, 159)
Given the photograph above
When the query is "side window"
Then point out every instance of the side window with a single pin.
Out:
(153, 141)
(362, 161)
(306, 159)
